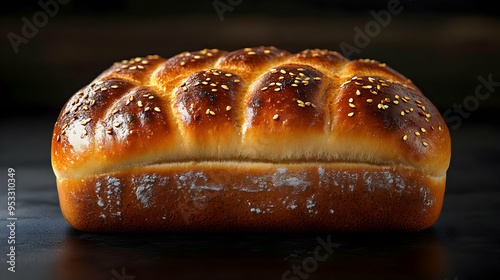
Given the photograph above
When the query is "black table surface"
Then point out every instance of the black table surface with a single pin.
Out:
(463, 244)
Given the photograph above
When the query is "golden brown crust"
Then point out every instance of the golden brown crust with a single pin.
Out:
(255, 105)
(254, 197)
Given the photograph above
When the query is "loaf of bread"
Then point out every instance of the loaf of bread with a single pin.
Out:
(257, 139)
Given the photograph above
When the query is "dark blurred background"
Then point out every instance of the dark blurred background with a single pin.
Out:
(448, 48)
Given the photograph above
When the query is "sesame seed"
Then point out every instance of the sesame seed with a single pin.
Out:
(125, 66)
(184, 89)
(58, 137)
(109, 132)
(277, 89)
(350, 114)
(151, 97)
(395, 102)
(139, 103)
(283, 71)
(133, 68)
(212, 84)
(183, 63)
(115, 111)
(275, 117)
(402, 113)
(144, 62)
(205, 83)
(118, 70)
(373, 92)
(301, 105)
(224, 87)
(214, 90)
(396, 96)
(212, 113)
(146, 109)
(145, 95)
(207, 111)
(405, 137)
(128, 102)
(85, 108)
(264, 88)
(417, 133)
(274, 71)
(267, 51)
(369, 100)
(425, 143)
(84, 131)
(351, 100)
(228, 75)
(439, 127)
(114, 86)
(197, 57)
(308, 103)
(251, 53)
(116, 124)
(131, 98)
(367, 87)
(228, 108)
(358, 92)
(295, 85)
(352, 105)
(371, 79)
(312, 105)
(157, 109)
(193, 105)
(236, 81)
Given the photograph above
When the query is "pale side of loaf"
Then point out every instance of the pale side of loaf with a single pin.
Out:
(256, 139)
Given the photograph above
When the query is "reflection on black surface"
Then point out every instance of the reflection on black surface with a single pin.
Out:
(251, 256)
